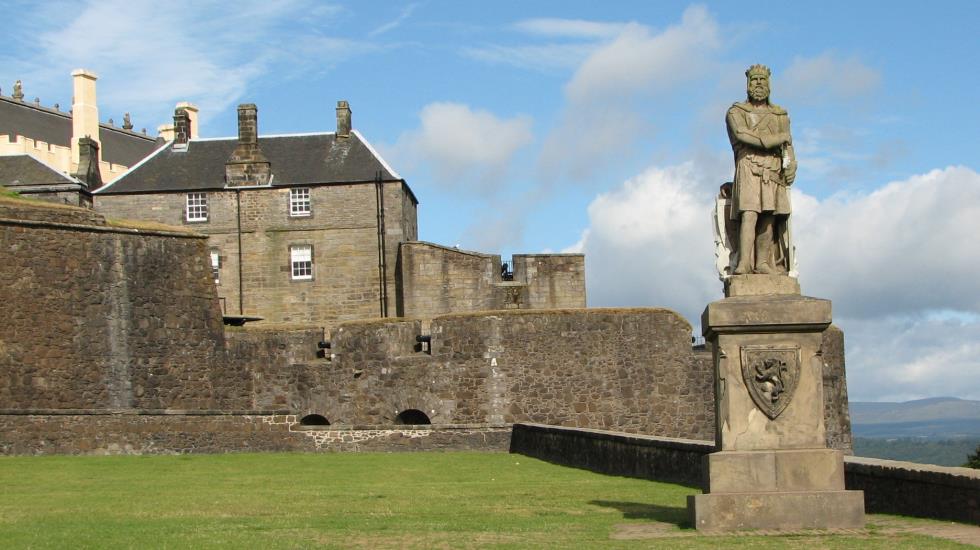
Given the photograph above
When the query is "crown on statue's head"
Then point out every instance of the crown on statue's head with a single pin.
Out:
(758, 69)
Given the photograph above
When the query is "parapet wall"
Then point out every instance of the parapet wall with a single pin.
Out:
(435, 280)
(890, 487)
(625, 369)
(55, 156)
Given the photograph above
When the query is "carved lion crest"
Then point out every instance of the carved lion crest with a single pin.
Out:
(771, 374)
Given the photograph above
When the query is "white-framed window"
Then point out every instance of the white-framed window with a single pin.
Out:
(299, 202)
(301, 261)
(216, 266)
(197, 207)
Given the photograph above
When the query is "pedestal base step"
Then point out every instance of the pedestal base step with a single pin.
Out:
(777, 511)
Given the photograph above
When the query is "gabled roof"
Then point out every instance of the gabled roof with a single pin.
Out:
(300, 159)
(119, 146)
(25, 170)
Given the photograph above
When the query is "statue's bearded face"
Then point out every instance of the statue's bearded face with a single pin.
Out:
(758, 87)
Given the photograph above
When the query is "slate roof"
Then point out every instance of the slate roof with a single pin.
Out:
(48, 125)
(301, 159)
(19, 170)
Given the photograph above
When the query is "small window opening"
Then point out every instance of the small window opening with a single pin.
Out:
(216, 266)
(314, 420)
(506, 273)
(412, 417)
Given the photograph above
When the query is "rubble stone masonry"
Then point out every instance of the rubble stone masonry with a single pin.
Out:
(111, 341)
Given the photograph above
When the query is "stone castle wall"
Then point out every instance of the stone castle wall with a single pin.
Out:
(105, 317)
(437, 280)
(629, 370)
(113, 333)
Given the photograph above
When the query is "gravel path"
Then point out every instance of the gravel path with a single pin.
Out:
(957, 532)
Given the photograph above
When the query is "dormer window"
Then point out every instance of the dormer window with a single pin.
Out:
(197, 207)
(299, 202)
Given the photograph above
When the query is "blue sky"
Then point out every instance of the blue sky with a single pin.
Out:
(550, 126)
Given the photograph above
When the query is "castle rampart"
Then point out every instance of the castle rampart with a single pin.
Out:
(112, 342)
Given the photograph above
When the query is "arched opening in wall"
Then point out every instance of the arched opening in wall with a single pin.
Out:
(314, 420)
(412, 417)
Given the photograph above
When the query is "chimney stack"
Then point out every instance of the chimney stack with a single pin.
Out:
(343, 119)
(192, 111)
(247, 166)
(182, 128)
(84, 110)
(88, 163)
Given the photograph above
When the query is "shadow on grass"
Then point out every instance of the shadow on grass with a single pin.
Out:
(652, 512)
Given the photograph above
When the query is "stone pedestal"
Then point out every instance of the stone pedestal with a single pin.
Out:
(773, 469)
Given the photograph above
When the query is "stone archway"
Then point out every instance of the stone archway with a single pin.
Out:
(314, 420)
(412, 417)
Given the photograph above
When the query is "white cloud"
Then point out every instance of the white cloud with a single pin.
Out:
(900, 265)
(649, 242)
(902, 358)
(825, 77)
(538, 57)
(149, 56)
(598, 121)
(575, 40)
(641, 61)
(396, 22)
(907, 247)
(571, 28)
(464, 147)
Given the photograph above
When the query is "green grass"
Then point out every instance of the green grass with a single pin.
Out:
(442, 500)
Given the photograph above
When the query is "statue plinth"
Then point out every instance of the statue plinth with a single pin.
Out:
(773, 469)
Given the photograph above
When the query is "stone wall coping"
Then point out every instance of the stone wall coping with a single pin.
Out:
(551, 255)
(265, 327)
(102, 228)
(140, 412)
(624, 437)
(450, 249)
(911, 471)
(378, 321)
(401, 427)
(562, 311)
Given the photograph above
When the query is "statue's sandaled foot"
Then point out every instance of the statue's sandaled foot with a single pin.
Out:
(764, 269)
(742, 269)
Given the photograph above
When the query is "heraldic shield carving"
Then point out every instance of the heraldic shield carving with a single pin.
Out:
(771, 374)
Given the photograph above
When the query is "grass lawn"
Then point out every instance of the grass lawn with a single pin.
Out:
(426, 500)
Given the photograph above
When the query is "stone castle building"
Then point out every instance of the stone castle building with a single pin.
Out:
(319, 228)
(64, 156)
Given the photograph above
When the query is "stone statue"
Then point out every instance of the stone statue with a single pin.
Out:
(127, 122)
(765, 167)
(18, 91)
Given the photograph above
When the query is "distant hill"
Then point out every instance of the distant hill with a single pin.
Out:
(935, 408)
(947, 452)
(939, 430)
